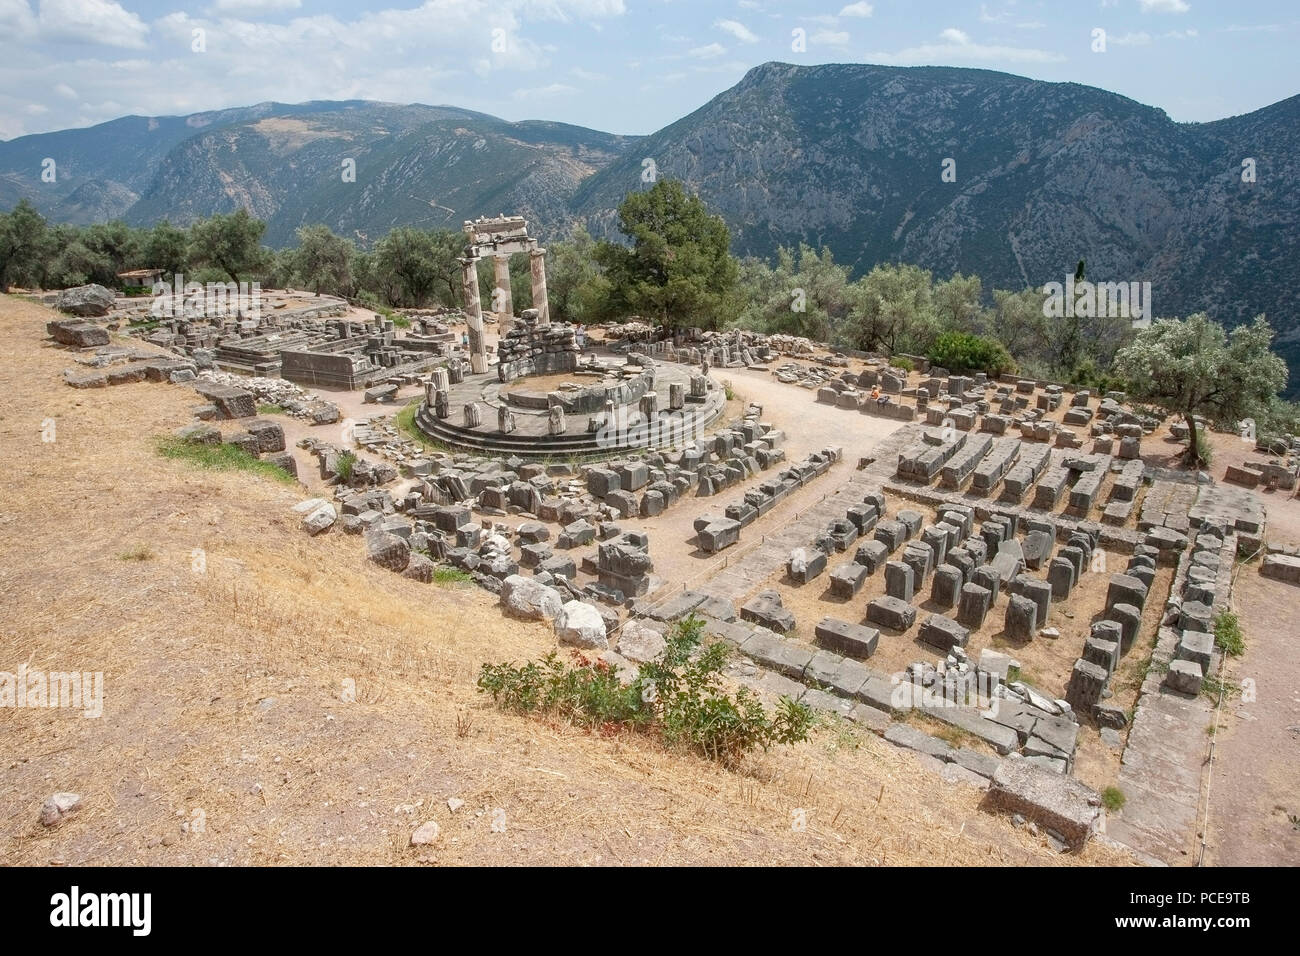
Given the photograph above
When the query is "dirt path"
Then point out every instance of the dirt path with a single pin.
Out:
(808, 429)
(1255, 787)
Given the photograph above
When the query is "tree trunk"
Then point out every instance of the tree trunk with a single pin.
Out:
(1192, 459)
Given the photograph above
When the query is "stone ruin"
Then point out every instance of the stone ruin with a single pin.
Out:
(534, 348)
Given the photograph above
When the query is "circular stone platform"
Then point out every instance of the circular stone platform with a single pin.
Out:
(583, 435)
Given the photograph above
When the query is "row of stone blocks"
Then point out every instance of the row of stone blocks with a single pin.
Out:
(865, 404)
(714, 533)
(1112, 638)
(1194, 652)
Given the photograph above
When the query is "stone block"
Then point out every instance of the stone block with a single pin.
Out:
(765, 608)
(899, 580)
(974, 605)
(943, 632)
(722, 533)
(1021, 621)
(844, 637)
(846, 580)
(892, 613)
(947, 584)
(1185, 677)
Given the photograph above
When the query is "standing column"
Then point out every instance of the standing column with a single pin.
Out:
(474, 314)
(502, 300)
(536, 258)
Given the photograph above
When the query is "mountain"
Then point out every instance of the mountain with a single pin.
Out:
(414, 165)
(849, 156)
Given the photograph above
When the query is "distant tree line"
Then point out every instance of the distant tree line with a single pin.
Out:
(676, 270)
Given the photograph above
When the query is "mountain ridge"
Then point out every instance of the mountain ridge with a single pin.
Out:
(849, 156)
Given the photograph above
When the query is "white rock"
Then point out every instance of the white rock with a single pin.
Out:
(798, 561)
(454, 804)
(426, 834)
(581, 625)
(639, 642)
(319, 519)
(58, 807)
(526, 598)
(308, 506)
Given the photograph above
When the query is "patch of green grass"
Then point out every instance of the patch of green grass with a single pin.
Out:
(1227, 634)
(141, 552)
(220, 458)
(270, 410)
(1204, 450)
(1022, 675)
(843, 736)
(401, 321)
(1215, 687)
(728, 390)
(344, 465)
(1112, 798)
(447, 576)
(405, 423)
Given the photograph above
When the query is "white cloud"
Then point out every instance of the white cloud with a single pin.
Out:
(831, 37)
(253, 7)
(1164, 6)
(92, 21)
(708, 51)
(16, 18)
(437, 51)
(958, 47)
(862, 9)
(737, 30)
(542, 92)
(1132, 39)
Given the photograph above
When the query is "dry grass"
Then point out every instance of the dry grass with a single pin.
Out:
(227, 654)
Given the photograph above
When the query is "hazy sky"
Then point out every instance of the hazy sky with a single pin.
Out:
(624, 66)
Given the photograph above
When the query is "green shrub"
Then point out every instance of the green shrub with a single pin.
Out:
(905, 364)
(1227, 634)
(1112, 798)
(679, 697)
(344, 466)
(369, 300)
(1088, 375)
(963, 352)
(270, 410)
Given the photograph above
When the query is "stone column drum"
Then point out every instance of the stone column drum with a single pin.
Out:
(501, 296)
(537, 260)
(474, 314)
